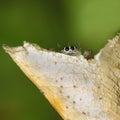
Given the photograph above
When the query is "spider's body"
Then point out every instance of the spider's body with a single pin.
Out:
(74, 51)
(87, 54)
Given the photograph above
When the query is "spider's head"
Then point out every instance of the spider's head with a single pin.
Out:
(71, 50)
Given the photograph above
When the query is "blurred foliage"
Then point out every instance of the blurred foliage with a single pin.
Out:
(51, 24)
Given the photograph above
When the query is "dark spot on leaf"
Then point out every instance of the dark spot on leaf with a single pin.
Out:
(98, 87)
(60, 91)
(68, 96)
(100, 98)
(73, 102)
(83, 113)
(74, 86)
(56, 81)
(80, 99)
(61, 86)
(67, 107)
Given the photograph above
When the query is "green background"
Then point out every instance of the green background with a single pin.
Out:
(51, 24)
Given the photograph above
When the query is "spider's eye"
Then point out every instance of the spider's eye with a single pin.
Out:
(72, 48)
(66, 48)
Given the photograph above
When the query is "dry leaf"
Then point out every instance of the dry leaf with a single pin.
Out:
(79, 89)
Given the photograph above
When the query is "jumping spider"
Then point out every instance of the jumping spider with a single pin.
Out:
(74, 51)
